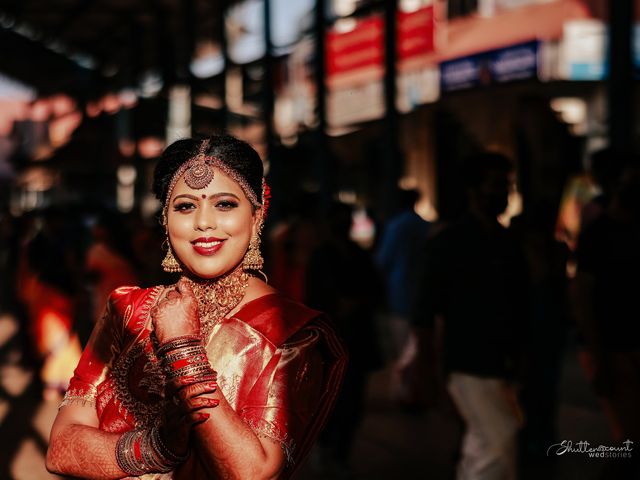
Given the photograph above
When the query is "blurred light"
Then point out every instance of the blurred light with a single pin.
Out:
(426, 210)
(8, 328)
(233, 89)
(127, 174)
(514, 208)
(245, 29)
(572, 110)
(128, 97)
(208, 66)
(347, 197)
(208, 101)
(345, 25)
(208, 61)
(13, 89)
(93, 109)
(36, 179)
(62, 105)
(40, 110)
(61, 129)
(56, 46)
(179, 121)
(126, 198)
(344, 8)
(15, 379)
(12, 110)
(363, 229)
(290, 20)
(111, 103)
(150, 147)
(409, 6)
(127, 147)
(25, 30)
(84, 60)
(408, 183)
(151, 84)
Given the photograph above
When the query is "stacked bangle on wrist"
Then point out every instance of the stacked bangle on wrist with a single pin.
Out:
(179, 342)
(143, 451)
(185, 357)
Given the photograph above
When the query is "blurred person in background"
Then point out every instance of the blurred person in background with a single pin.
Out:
(290, 245)
(605, 301)
(605, 168)
(109, 260)
(217, 375)
(548, 325)
(342, 281)
(47, 286)
(474, 277)
(398, 258)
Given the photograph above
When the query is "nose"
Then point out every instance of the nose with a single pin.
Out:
(205, 219)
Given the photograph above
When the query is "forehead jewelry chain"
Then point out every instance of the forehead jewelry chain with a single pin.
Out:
(200, 173)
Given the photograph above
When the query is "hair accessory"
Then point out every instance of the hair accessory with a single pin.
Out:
(266, 197)
(170, 264)
(198, 173)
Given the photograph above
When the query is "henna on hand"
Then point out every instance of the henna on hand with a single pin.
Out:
(176, 314)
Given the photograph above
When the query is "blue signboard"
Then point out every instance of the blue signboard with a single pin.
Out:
(516, 62)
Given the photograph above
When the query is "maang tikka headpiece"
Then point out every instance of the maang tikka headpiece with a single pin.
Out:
(199, 172)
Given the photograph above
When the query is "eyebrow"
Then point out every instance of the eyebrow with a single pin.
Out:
(215, 195)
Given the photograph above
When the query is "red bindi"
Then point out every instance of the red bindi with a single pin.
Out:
(204, 196)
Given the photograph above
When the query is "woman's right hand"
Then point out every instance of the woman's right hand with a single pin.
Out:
(176, 314)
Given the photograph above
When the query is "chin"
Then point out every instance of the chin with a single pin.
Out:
(210, 271)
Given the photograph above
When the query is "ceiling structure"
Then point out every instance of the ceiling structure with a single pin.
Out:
(81, 46)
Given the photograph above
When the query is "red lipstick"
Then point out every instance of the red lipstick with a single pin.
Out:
(207, 246)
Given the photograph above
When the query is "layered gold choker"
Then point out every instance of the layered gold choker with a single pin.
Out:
(218, 296)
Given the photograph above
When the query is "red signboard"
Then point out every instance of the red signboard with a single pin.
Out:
(415, 33)
(358, 48)
(363, 46)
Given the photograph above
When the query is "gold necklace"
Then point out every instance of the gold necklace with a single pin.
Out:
(217, 297)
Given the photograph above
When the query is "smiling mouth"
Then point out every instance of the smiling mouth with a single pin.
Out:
(208, 244)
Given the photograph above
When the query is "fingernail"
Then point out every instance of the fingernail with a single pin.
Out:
(203, 416)
(214, 403)
(212, 385)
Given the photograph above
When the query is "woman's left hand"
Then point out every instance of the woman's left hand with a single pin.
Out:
(176, 314)
(184, 410)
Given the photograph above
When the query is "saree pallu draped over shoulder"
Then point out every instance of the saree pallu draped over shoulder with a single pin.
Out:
(279, 364)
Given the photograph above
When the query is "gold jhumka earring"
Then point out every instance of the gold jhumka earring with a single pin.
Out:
(253, 258)
(170, 264)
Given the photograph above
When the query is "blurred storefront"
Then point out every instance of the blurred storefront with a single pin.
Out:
(522, 77)
(525, 77)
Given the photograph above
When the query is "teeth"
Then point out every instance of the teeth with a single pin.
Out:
(208, 244)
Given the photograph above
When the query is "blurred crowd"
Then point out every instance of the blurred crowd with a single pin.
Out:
(466, 312)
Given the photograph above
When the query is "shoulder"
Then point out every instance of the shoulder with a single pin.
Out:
(127, 298)
(276, 316)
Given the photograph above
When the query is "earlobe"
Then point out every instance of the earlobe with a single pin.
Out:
(258, 221)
